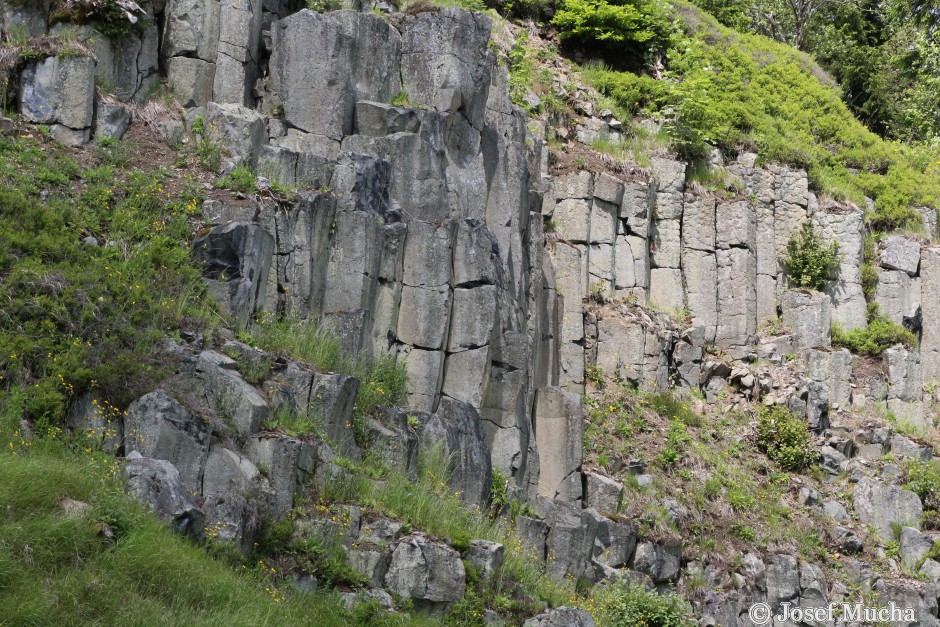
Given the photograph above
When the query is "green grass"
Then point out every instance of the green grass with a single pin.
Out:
(57, 568)
(78, 316)
(240, 179)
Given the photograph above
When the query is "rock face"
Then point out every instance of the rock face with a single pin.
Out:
(60, 91)
(158, 426)
(807, 314)
(158, 484)
(882, 506)
(559, 426)
(430, 574)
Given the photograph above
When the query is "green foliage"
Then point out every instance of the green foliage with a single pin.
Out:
(880, 334)
(808, 261)
(668, 405)
(498, 492)
(78, 316)
(632, 27)
(677, 439)
(624, 603)
(923, 478)
(240, 179)
(784, 437)
(323, 6)
(738, 91)
(401, 100)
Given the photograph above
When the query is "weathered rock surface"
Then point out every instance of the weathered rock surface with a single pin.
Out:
(157, 484)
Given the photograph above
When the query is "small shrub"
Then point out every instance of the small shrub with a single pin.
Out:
(923, 478)
(880, 334)
(240, 179)
(677, 439)
(784, 437)
(498, 492)
(667, 405)
(627, 604)
(808, 261)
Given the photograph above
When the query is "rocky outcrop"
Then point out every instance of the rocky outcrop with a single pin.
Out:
(158, 484)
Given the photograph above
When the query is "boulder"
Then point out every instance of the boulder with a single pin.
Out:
(237, 403)
(660, 561)
(429, 573)
(456, 427)
(60, 91)
(231, 518)
(914, 546)
(832, 368)
(286, 462)
(157, 426)
(229, 472)
(783, 580)
(602, 493)
(880, 505)
(561, 617)
(111, 120)
(487, 557)
(157, 484)
(570, 541)
(615, 543)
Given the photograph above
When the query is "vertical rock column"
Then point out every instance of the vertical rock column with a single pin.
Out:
(930, 308)
(736, 239)
(190, 48)
(666, 289)
(847, 227)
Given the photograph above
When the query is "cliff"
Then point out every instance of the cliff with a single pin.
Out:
(406, 205)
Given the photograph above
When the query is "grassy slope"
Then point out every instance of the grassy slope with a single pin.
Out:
(739, 91)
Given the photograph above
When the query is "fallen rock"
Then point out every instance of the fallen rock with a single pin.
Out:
(157, 484)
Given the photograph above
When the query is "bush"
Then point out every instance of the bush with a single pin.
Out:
(631, 27)
(808, 262)
(923, 478)
(624, 603)
(784, 437)
(880, 334)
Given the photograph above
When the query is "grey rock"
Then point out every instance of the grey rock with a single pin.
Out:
(191, 80)
(532, 533)
(371, 561)
(324, 63)
(426, 572)
(836, 511)
(659, 561)
(930, 309)
(445, 62)
(59, 90)
(880, 505)
(807, 315)
(561, 617)
(157, 484)
(905, 448)
(602, 493)
(834, 370)
(378, 119)
(486, 556)
(237, 403)
(238, 55)
(230, 472)
(239, 132)
(191, 29)
(783, 579)
(456, 426)
(615, 543)
(847, 541)
(92, 416)
(238, 257)
(570, 541)
(832, 460)
(111, 120)
(286, 462)
(914, 546)
(900, 253)
(559, 427)
(394, 442)
(233, 519)
(157, 426)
